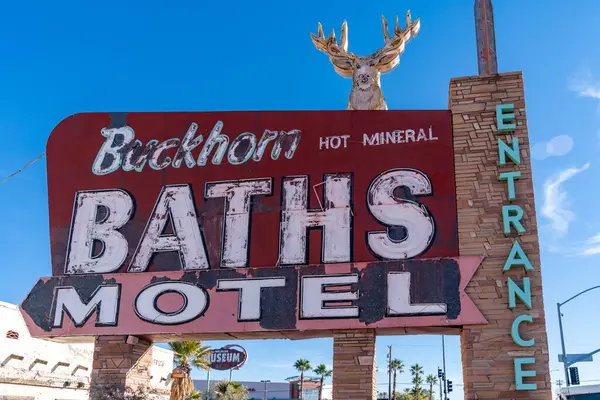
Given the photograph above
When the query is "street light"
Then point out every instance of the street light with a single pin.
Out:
(265, 382)
(567, 363)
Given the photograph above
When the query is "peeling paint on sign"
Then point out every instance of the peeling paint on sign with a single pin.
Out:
(244, 302)
(169, 221)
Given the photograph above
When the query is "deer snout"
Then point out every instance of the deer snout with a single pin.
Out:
(364, 78)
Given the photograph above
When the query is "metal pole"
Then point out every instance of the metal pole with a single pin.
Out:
(390, 373)
(208, 384)
(265, 397)
(444, 367)
(230, 373)
(562, 343)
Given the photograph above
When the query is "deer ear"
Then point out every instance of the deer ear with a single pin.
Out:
(342, 65)
(388, 62)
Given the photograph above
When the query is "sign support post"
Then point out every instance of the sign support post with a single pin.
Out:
(208, 383)
(119, 366)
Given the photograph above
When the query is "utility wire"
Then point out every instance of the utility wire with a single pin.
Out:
(21, 170)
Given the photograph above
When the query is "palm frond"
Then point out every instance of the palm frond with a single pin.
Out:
(302, 365)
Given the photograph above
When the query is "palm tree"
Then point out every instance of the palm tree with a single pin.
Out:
(431, 380)
(322, 371)
(302, 365)
(187, 355)
(417, 372)
(407, 395)
(397, 367)
(230, 390)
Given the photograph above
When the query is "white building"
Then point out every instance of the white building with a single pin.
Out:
(327, 392)
(259, 390)
(585, 392)
(256, 389)
(35, 369)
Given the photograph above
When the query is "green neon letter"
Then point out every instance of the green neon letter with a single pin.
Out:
(520, 374)
(510, 177)
(514, 219)
(517, 257)
(514, 331)
(505, 114)
(515, 291)
(512, 152)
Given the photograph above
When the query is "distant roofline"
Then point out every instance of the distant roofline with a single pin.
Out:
(241, 382)
(306, 378)
(586, 389)
(9, 305)
(155, 347)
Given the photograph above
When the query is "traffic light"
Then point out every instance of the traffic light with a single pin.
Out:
(449, 386)
(574, 375)
(440, 373)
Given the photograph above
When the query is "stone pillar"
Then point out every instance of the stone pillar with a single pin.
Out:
(354, 365)
(488, 352)
(119, 366)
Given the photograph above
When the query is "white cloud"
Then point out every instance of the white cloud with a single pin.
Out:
(556, 205)
(592, 246)
(585, 85)
(558, 146)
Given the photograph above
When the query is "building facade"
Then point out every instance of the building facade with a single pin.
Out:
(586, 392)
(258, 390)
(36, 369)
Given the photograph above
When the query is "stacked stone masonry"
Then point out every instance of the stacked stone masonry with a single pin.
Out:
(354, 365)
(119, 366)
(488, 351)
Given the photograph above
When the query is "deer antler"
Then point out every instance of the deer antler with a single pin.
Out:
(412, 28)
(338, 53)
(394, 46)
(330, 45)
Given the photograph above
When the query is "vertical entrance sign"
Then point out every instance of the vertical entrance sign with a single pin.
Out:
(268, 223)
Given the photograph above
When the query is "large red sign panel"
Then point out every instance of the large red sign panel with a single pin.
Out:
(180, 216)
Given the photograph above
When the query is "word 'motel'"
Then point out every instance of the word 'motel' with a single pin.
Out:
(511, 217)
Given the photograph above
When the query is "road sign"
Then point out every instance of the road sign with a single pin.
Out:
(573, 357)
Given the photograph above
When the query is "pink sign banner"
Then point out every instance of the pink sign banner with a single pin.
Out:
(242, 303)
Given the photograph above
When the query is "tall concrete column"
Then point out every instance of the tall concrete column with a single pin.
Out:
(489, 351)
(354, 368)
(119, 366)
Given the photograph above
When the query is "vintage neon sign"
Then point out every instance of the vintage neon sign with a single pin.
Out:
(176, 230)
(512, 215)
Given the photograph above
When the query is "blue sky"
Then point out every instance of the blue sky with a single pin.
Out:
(59, 58)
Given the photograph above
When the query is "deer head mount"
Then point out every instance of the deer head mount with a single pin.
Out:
(366, 71)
